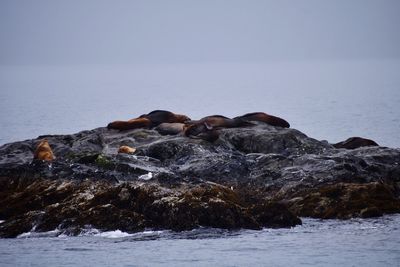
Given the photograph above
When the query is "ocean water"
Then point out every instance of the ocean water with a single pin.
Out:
(327, 100)
(368, 242)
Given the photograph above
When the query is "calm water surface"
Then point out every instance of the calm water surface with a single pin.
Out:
(369, 242)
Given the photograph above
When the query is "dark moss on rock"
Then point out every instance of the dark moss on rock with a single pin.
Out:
(69, 206)
(347, 200)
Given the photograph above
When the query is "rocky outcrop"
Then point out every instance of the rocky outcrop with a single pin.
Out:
(250, 177)
(69, 206)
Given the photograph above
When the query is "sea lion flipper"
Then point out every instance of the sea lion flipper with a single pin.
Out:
(355, 142)
(208, 127)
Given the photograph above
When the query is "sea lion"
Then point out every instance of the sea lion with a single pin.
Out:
(129, 125)
(202, 131)
(355, 142)
(219, 121)
(207, 127)
(160, 116)
(149, 120)
(264, 117)
(43, 151)
(167, 128)
(126, 150)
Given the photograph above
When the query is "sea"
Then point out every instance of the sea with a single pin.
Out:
(326, 99)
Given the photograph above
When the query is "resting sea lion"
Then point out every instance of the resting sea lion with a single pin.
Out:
(43, 151)
(203, 131)
(355, 142)
(150, 120)
(207, 127)
(126, 150)
(129, 125)
(170, 128)
(263, 117)
(160, 116)
(219, 121)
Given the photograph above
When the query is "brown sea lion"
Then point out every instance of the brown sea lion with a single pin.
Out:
(160, 116)
(263, 117)
(149, 120)
(355, 142)
(166, 128)
(126, 150)
(219, 121)
(43, 151)
(207, 127)
(131, 124)
(202, 131)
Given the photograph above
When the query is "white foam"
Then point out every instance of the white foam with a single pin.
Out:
(33, 234)
(113, 234)
(146, 177)
(89, 231)
(120, 234)
(24, 235)
(1, 221)
(151, 232)
(62, 236)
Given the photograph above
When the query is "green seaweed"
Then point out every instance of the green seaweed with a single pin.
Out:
(103, 162)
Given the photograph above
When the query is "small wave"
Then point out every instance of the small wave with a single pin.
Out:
(151, 232)
(32, 234)
(1, 221)
(89, 231)
(113, 234)
(78, 249)
(120, 234)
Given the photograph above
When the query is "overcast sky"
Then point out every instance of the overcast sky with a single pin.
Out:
(108, 32)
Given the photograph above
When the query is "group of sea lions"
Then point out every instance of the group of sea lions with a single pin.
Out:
(207, 128)
(169, 123)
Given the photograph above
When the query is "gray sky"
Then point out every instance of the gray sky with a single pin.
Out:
(108, 32)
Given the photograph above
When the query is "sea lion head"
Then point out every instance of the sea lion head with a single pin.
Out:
(182, 118)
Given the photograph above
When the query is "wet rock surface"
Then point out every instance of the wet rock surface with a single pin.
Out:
(251, 177)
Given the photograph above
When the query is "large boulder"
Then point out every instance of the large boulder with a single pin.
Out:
(251, 177)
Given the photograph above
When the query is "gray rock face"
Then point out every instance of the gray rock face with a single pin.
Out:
(260, 163)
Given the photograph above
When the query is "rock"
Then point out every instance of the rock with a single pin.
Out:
(347, 200)
(274, 215)
(251, 177)
(70, 206)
